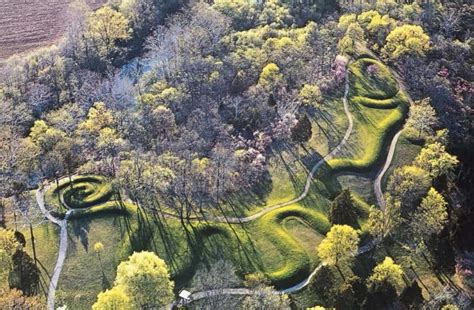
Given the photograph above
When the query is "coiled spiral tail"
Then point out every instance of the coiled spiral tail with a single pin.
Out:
(84, 192)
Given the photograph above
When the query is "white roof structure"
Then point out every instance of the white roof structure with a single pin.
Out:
(185, 294)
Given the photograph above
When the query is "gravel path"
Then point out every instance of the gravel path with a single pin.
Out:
(378, 193)
(245, 291)
(53, 284)
(309, 179)
(388, 162)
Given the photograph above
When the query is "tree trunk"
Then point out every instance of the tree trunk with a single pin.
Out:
(340, 272)
(419, 280)
(100, 262)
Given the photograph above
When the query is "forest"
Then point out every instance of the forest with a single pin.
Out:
(241, 154)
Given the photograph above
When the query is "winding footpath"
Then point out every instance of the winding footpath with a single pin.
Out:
(388, 162)
(233, 220)
(53, 283)
(378, 194)
(244, 291)
(309, 179)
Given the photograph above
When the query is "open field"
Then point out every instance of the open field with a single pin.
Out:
(29, 24)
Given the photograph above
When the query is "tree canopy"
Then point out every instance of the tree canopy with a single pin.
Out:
(340, 245)
(405, 40)
(145, 279)
(387, 271)
(343, 210)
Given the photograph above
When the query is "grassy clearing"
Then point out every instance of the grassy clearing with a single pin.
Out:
(264, 245)
(84, 275)
(289, 166)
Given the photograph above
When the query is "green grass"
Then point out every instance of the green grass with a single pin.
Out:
(264, 245)
(374, 118)
(405, 153)
(91, 194)
(379, 85)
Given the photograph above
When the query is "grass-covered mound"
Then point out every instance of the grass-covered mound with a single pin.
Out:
(379, 108)
(84, 192)
(263, 245)
(370, 78)
(282, 243)
(85, 195)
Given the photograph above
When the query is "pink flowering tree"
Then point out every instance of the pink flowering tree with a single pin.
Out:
(339, 68)
(372, 69)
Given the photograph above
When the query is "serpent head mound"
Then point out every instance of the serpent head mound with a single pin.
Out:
(373, 85)
(85, 192)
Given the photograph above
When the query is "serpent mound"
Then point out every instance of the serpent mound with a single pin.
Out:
(84, 192)
(373, 85)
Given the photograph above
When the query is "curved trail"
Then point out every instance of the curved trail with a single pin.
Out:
(378, 193)
(309, 179)
(378, 181)
(53, 283)
(388, 162)
(245, 291)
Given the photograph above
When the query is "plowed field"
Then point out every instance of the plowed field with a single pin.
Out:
(28, 24)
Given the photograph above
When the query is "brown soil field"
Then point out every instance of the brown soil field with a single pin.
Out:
(29, 24)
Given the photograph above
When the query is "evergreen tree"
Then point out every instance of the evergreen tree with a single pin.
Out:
(302, 131)
(343, 210)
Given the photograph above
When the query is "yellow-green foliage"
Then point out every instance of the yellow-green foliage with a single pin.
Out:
(105, 26)
(114, 298)
(346, 20)
(310, 95)
(97, 118)
(145, 279)
(270, 75)
(406, 39)
(340, 245)
(387, 271)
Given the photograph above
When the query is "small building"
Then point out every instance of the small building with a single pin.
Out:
(185, 295)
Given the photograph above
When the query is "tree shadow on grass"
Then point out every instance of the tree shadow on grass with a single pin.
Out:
(80, 229)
